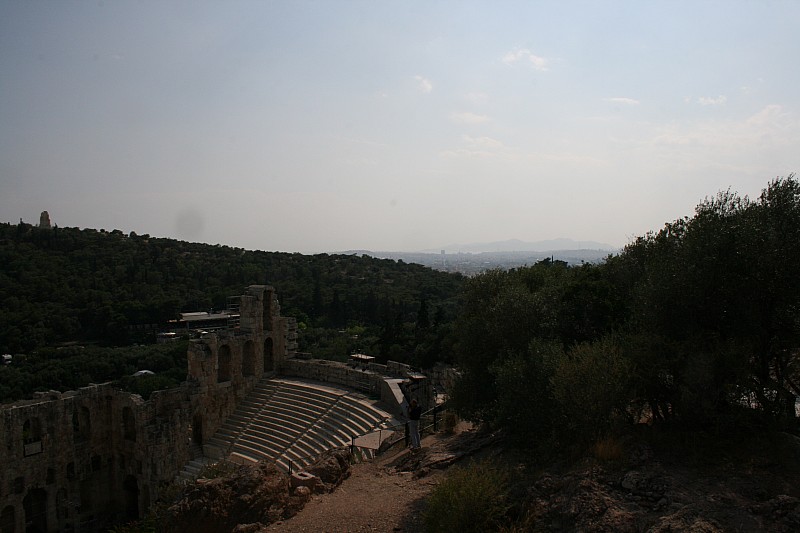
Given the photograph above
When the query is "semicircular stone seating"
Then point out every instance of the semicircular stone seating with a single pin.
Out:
(291, 421)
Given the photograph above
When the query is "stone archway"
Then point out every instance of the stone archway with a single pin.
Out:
(35, 504)
(269, 358)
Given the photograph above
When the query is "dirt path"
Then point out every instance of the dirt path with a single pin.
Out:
(388, 494)
(373, 498)
(385, 495)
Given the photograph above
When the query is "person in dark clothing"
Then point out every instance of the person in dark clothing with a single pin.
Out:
(414, 415)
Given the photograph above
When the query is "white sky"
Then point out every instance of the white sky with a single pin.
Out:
(334, 125)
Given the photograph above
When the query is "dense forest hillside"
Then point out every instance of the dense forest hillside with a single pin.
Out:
(697, 324)
(67, 285)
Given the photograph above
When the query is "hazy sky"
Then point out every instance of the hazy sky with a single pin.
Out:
(333, 125)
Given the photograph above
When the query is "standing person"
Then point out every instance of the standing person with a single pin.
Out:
(414, 415)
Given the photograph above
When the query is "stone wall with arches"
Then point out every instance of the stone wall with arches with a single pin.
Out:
(84, 460)
(72, 461)
(226, 364)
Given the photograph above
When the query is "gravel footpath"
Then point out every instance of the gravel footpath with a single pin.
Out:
(376, 497)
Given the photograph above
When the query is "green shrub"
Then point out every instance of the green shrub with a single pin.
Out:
(590, 386)
(524, 403)
(471, 499)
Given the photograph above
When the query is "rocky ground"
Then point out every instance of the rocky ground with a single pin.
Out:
(654, 493)
(733, 488)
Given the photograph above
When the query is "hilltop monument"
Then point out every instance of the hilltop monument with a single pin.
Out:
(44, 220)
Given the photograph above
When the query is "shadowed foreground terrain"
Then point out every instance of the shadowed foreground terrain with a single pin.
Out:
(701, 486)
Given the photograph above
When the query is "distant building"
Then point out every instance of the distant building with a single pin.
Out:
(208, 321)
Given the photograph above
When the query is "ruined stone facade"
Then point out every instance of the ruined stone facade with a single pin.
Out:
(225, 365)
(82, 460)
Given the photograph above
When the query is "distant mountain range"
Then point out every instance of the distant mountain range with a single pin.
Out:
(516, 245)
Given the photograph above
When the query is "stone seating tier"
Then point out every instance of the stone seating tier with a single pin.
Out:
(346, 422)
(362, 406)
(295, 410)
(265, 446)
(335, 431)
(252, 454)
(275, 422)
(284, 441)
(285, 423)
(279, 440)
(291, 422)
(351, 418)
(294, 452)
(301, 398)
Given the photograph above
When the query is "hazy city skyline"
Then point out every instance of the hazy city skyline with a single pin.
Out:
(324, 126)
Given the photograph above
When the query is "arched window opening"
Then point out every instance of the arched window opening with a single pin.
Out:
(224, 364)
(31, 430)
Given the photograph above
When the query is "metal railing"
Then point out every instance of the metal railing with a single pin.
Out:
(430, 421)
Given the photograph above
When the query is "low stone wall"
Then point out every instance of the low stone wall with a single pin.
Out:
(387, 382)
(333, 372)
(368, 381)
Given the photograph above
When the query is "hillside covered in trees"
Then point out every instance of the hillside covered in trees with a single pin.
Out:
(107, 290)
(697, 324)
